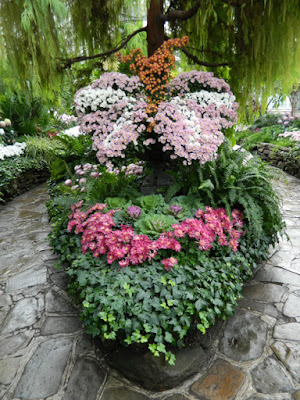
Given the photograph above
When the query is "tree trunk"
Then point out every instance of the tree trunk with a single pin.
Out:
(155, 26)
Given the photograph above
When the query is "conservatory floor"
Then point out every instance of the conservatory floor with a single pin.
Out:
(44, 353)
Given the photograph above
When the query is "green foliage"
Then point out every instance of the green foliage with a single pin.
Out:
(77, 150)
(151, 202)
(265, 120)
(44, 148)
(243, 33)
(25, 111)
(155, 224)
(10, 169)
(36, 34)
(147, 305)
(9, 136)
(249, 139)
(234, 181)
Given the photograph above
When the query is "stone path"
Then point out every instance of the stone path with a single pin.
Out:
(44, 353)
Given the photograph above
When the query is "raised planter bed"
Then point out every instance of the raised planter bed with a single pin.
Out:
(282, 157)
(25, 181)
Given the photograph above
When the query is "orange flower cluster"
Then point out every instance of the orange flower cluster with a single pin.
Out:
(154, 72)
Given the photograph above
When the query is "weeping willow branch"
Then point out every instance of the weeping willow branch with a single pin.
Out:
(181, 15)
(67, 62)
(204, 63)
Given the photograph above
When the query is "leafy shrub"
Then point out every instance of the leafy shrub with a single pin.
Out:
(233, 181)
(44, 148)
(265, 120)
(249, 139)
(25, 111)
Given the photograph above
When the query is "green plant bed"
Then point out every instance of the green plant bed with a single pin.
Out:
(250, 139)
(19, 174)
(149, 303)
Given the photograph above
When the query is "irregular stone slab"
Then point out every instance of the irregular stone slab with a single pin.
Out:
(55, 303)
(278, 275)
(289, 354)
(289, 331)
(244, 337)
(54, 325)
(221, 382)
(292, 306)
(84, 345)
(176, 397)
(122, 393)
(8, 369)
(30, 277)
(13, 343)
(60, 279)
(295, 264)
(44, 371)
(3, 314)
(154, 373)
(85, 372)
(269, 378)
(5, 301)
(297, 395)
(24, 313)
(258, 397)
(267, 292)
(254, 305)
(30, 214)
(283, 257)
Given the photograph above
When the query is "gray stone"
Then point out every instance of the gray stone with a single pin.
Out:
(295, 265)
(14, 343)
(55, 303)
(176, 397)
(84, 344)
(5, 301)
(292, 306)
(254, 305)
(30, 277)
(2, 393)
(289, 331)
(24, 313)
(122, 393)
(55, 325)
(222, 381)
(297, 395)
(8, 370)
(267, 292)
(154, 373)
(278, 275)
(269, 378)
(289, 354)
(85, 371)
(44, 371)
(244, 337)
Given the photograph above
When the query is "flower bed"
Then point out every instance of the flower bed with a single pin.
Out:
(151, 270)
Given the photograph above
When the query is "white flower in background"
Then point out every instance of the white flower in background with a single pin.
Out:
(7, 121)
(2, 131)
(10, 151)
(73, 132)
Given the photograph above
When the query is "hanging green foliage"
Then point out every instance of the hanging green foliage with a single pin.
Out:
(252, 43)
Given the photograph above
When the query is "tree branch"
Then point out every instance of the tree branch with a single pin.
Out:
(204, 63)
(67, 62)
(182, 15)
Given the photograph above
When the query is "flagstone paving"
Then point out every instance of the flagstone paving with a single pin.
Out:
(45, 354)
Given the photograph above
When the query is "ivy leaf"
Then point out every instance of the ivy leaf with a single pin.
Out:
(168, 337)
